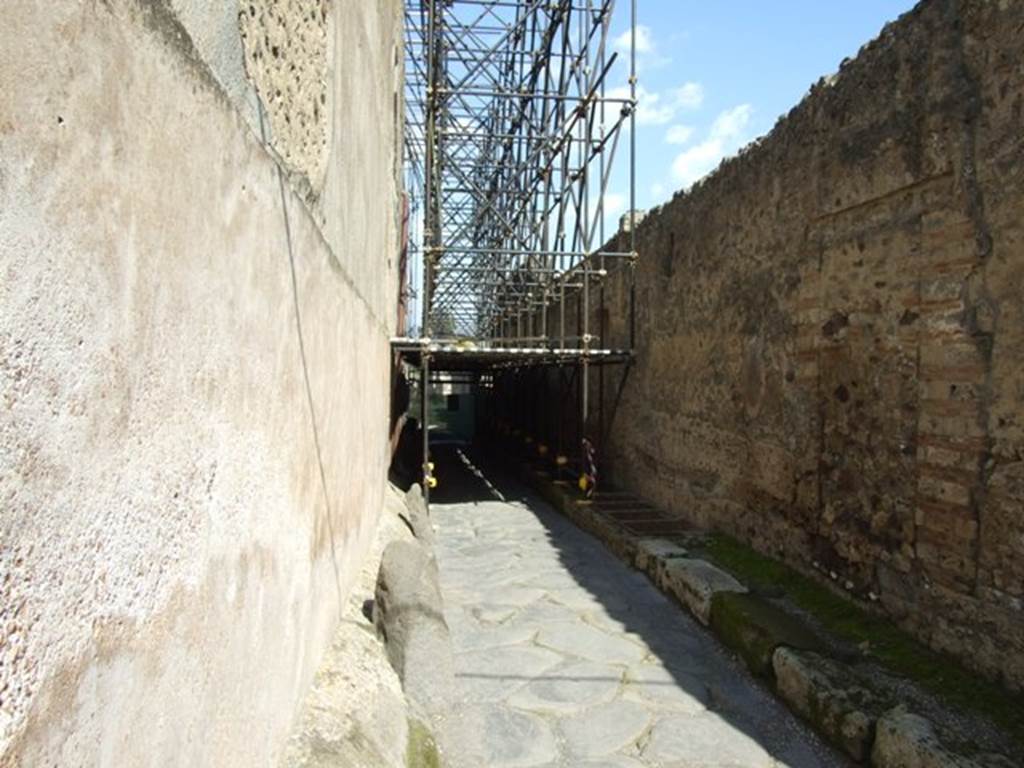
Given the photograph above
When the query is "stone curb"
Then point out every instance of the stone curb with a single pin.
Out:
(408, 614)
(826, 693)
(419, 519)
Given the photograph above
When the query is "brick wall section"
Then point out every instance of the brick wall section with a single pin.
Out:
(830, 348)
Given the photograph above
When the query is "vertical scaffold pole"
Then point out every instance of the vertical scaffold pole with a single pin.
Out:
(632, 181)
(425, 424)
(431, 234)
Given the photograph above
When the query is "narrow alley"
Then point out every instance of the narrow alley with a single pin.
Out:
(511, 384)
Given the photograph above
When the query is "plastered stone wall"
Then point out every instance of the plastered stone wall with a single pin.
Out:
(830, 336)
(194, 368)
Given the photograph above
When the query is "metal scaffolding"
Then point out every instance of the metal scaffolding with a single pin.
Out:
(512, 137)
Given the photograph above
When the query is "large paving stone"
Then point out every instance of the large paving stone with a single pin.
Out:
(666, 689)
(499, 737)
(634, 624)
(694, 582)
(542, 613)
(570, 688)
(615, 761)
(491, 613)
(549, 580)
(703, 741)
(494, 674)
(514, 595)
(612, 761)
(477, 638)
(605, 729)
(583, 600)
(588, 642)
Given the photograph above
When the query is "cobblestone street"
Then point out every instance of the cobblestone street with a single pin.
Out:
(565, 657)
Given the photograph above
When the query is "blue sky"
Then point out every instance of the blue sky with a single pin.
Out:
(715, 75)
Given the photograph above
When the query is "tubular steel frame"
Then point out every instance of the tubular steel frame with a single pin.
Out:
(511, 138)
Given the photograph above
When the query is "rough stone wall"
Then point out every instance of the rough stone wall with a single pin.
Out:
(831, 336)
(286, 55)
(186, 486)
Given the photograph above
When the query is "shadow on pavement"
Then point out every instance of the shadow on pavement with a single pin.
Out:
(694, 660)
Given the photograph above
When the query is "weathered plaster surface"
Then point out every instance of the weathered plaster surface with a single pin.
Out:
(216, 33)
(286, 56)
(830, 335)
(192, 434)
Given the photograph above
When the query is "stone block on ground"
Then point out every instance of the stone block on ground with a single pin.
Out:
(825, 694)
(754, 628)
(419, 518)
(694, 582)
(653, 554)
(906, 740)
(409, 616)
(622, 543)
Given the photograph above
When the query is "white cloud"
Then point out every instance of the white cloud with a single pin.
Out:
(614, 204)
(726, 135)
(690, 96)
(647, 56)
(733, 122)
(644, 40)
(678, 134)
(661, 108)
(657, 191)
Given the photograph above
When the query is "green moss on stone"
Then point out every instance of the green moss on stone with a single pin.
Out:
(755, 628)
(421, 751)
(885, 643)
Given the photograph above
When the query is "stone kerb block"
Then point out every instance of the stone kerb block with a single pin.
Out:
(653, 555)
(906, 740)
(419, 519)
(822, 693)
(409, 616)
(695, 582)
